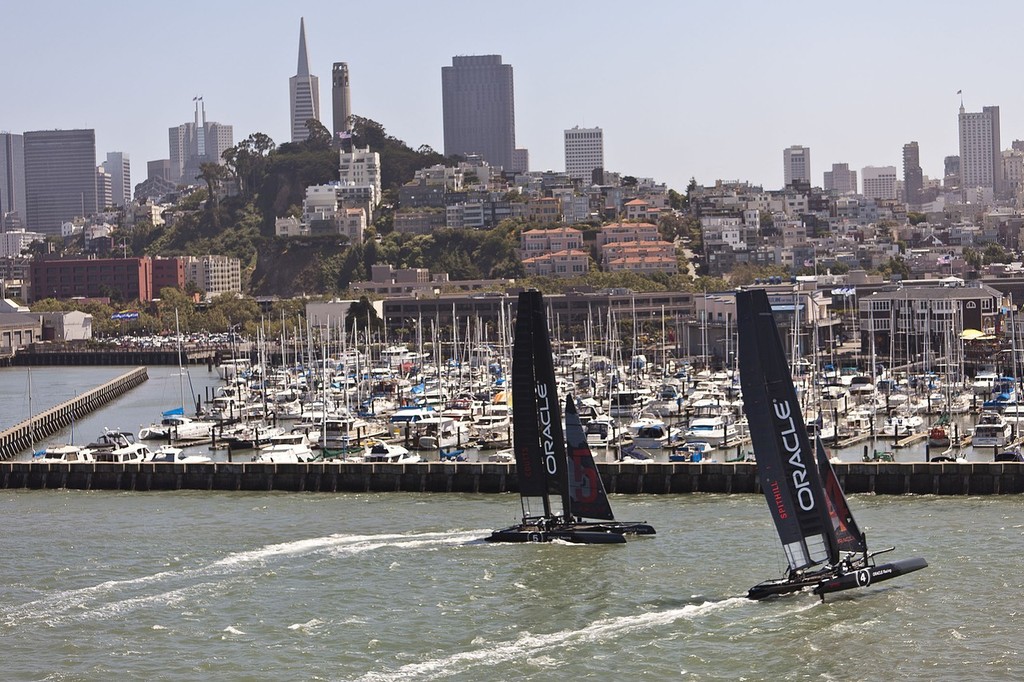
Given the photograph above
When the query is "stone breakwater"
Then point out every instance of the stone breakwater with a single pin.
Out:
(658, 479)
(22, 436)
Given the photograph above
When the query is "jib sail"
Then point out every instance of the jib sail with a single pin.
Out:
(848, 535)
(586, 490)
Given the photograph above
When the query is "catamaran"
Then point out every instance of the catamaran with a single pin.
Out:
(825, 549)
(560, 488)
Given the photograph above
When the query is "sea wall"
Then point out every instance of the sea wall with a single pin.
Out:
(21, 436)
(660, 479)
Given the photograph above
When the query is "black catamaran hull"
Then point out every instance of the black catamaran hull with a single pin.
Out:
(825, 582)
(870, 575)
(579, 535)
(613, 532)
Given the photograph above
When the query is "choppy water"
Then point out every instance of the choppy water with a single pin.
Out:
(251, 586)
(189, 585)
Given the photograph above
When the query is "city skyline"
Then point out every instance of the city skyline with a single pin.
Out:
(689, 122)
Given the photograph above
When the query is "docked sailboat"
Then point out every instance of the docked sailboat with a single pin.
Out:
(560, 488)
(825, 549)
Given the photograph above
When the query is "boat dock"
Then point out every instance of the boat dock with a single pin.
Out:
(21, 436)
(883, 478)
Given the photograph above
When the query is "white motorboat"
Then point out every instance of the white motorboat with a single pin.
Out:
(176, 426)
(285, 448)
(66, 454)
(389, 453)
(169, 454)
(132, 453)
(992, 430)
(651, 433)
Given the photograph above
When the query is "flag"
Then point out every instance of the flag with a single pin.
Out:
(959, 92)
(344, 135)
(944, 260)
(808, 263)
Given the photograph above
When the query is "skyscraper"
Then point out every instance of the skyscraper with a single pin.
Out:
(196, 143)
(118, 166)
(60, 177)
(341, 98)
(12, 180)
(478, 102)
(913, 176)
(584, 152)
(840, 179)
(981, 161)
(304, 89)
(796, 164)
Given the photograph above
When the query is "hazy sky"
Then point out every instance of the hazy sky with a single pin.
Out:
(712, 90)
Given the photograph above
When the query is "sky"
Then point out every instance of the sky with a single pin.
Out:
(681, 89)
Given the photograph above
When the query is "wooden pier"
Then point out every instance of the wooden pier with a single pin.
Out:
(434, 477)
(21, 436)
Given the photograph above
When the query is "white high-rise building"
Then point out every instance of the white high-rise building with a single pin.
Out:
(879, 182)
(796, 164)
(304, 91)
(981, 162)
(584, 152)
(118, 166)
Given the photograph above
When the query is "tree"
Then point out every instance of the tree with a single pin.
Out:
(248, 161)
(213, 174)
(360, 313)
(319, 138)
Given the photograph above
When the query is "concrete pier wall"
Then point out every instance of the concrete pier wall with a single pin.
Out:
(660, 479)
(21, 436)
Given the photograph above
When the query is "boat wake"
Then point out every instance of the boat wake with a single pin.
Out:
(115, 597)
(530, 645)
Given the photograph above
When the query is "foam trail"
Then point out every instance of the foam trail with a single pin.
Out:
(529, 645)
(51, 606)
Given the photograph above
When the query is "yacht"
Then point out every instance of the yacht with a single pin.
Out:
(286, 448)
(992, 430)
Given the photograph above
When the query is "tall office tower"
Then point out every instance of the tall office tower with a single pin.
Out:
(584, 151)
(796, 164)
(304, 90)
(60, 177)
(879, 182)
(341, 98)
(840, 179)
(193, 144)
(119, 167)
(981, 162)
(478, 102)
(913, 176)
(12, 181)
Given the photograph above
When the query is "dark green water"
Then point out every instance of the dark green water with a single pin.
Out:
(196, 586)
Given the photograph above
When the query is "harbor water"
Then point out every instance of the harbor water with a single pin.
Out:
(192, 585)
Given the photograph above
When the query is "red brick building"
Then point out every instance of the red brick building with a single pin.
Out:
(121, 279)
(168, 272)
